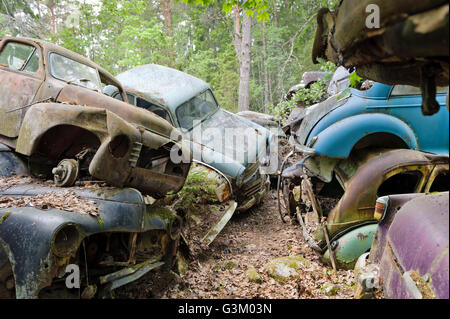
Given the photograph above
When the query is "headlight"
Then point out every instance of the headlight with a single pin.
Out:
(65, 240)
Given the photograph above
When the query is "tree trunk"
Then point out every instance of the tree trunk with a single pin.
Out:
(52, 18)
(167, 17)
(267, 93)
(242, 46)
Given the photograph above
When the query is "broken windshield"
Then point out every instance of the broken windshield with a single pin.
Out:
(72, 71)
(196, 109)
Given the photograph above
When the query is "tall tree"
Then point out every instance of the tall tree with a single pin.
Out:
(168, 17)
(242, 43)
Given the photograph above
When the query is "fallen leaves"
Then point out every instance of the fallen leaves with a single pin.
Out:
(64, 199)
(251, 240)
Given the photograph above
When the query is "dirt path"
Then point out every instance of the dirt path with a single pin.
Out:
(251, 239)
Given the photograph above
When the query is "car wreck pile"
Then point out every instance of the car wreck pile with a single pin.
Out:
(85, 177)
(97, 172)
(362, 149)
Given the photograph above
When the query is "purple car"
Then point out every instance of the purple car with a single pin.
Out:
(409, 257)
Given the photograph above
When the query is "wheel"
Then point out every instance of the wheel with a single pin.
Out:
(66, 173)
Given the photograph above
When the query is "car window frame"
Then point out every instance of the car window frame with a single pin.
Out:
(155, 105)
(392, 96)
(207, 116)
(38, 74)
(50, 70)
(438, 169)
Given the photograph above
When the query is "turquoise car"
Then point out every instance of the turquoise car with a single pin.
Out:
(218, 139)
(383, 116)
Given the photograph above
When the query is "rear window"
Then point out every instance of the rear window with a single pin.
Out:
(20, 57)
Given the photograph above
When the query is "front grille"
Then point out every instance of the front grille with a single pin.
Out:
(254, 186)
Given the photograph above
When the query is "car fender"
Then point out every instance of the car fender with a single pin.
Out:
(40, 118)
(338, 139)
(350, 246)
(26, 233)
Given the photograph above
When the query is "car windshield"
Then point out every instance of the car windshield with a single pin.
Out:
(71, 71)
(196, 109)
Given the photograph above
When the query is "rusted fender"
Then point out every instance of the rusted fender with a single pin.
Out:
(358, 203)
(117, 168)
(411, 247)
(348, 248)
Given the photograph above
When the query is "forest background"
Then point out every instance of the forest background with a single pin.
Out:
(250, 52)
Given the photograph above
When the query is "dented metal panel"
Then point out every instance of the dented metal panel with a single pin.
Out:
(411, 247)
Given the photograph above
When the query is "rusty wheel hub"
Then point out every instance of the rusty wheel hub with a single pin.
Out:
(66, 173)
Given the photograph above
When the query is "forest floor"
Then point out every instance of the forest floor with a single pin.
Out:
(236, 265)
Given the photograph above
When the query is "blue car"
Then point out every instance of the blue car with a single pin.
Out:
(383, 116)
(349, 158)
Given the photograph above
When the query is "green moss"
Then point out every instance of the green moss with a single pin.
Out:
(197, 195)
(231, 264)
(4, 217)
(253, 276)
(282, 269)
(100, 221)
(226, 265)
(182, 264)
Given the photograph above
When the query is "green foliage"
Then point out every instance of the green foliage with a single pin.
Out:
(120, 34)
(355, 80)
(315, 93)
(260, 7)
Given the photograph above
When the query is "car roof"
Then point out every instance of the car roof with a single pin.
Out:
(167, 86)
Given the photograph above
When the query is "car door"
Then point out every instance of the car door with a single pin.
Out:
(431, 131)
(20, 81)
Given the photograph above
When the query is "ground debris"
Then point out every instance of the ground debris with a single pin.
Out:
(251, 240)
(66, 199)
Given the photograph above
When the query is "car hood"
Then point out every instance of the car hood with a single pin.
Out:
(75, 95)
(219, 132)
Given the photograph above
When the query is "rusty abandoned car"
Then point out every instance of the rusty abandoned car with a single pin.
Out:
(409, 255)
(55, 119)
(190, 105)
(337, 137)
(53, 112)
(339, 215)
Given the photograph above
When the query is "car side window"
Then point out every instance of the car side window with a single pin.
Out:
(118, 96)
(154, 109)
(131, 99)
(20, 57)
(402, 183)
(402, 90)
(440, 183)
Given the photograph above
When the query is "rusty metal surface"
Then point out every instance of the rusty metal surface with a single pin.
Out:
(358, 203)
(75, 119)
(26, 234)
(409, 46)
(411, 247)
